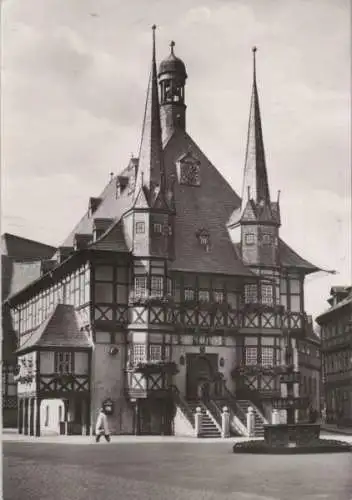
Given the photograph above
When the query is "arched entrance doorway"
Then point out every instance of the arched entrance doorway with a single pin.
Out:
(201, 370)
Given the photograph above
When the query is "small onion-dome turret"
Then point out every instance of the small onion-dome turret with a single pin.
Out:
(173, 65)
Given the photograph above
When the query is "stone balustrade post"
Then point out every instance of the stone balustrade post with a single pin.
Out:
(225, 423)
(275, 417)
(198, 422)
(250, 421)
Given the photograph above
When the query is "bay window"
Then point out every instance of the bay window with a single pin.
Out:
(157, 286)
(139, 353)
(140, 286)
(251, 294)
(267, 294)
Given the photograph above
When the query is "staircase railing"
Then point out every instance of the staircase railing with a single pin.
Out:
(235, 407)
(182, 403)
(237, 426)
(253, 397)
(214, 410)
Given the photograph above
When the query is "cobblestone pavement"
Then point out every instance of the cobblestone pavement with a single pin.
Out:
(163, 469)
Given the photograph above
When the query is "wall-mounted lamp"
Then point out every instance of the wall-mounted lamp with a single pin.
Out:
(222, 362)
(182, 360)
(113, 350)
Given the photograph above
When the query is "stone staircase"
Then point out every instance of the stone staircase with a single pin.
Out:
(258, 418)
(208, 429)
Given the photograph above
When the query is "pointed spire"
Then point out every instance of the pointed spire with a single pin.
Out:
(255, 179)
(150, 173)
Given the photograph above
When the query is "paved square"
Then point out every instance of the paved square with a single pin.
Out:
(168, 471)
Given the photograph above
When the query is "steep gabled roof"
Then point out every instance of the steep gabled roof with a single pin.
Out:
(113, 204)
(207, 207)
(60, 329)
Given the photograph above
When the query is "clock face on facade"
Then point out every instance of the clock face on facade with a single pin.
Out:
(190, 173)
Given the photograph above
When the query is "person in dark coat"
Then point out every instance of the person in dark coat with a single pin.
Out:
(313, 415)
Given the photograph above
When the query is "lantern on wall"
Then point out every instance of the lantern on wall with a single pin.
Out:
(182, 360)
(222, 362)
(113, 350)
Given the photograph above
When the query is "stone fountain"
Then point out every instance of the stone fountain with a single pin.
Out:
(291, 436)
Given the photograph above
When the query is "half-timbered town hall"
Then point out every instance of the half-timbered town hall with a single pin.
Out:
(170, 294)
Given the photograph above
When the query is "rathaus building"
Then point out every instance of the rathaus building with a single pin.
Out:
(170, 293)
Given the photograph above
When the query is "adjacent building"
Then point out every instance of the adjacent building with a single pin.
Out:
(169, 288)
(22, 261)
(309, 362)
(336, 349)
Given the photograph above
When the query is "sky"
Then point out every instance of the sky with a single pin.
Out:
(74, 80)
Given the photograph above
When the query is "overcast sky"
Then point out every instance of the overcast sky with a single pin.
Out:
(74, 81)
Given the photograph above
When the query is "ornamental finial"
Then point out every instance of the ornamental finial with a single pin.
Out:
(172, 45)
(254, 50)
(154, 28)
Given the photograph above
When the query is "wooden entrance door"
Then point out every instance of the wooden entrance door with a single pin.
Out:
(201, 368)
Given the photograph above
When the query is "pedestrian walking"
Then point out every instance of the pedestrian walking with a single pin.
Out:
(313, 415)
(323, 415)
(101, 428)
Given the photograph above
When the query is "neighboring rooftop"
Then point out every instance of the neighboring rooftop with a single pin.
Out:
(16, 247)
(341, 297)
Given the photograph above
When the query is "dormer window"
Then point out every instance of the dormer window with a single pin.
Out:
(189, 170)
(121, 184)
(97, 233)
(131, 184)
(204, 239)
(249, 239)
(93, 205)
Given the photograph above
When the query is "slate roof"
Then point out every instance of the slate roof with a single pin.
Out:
(112, 240)
(255, 172)
(20, 248)
(21, 262)
(206, 207)
(151, 159)
(60, 329)
(111, 206)
(289, 258)
(343, 303)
